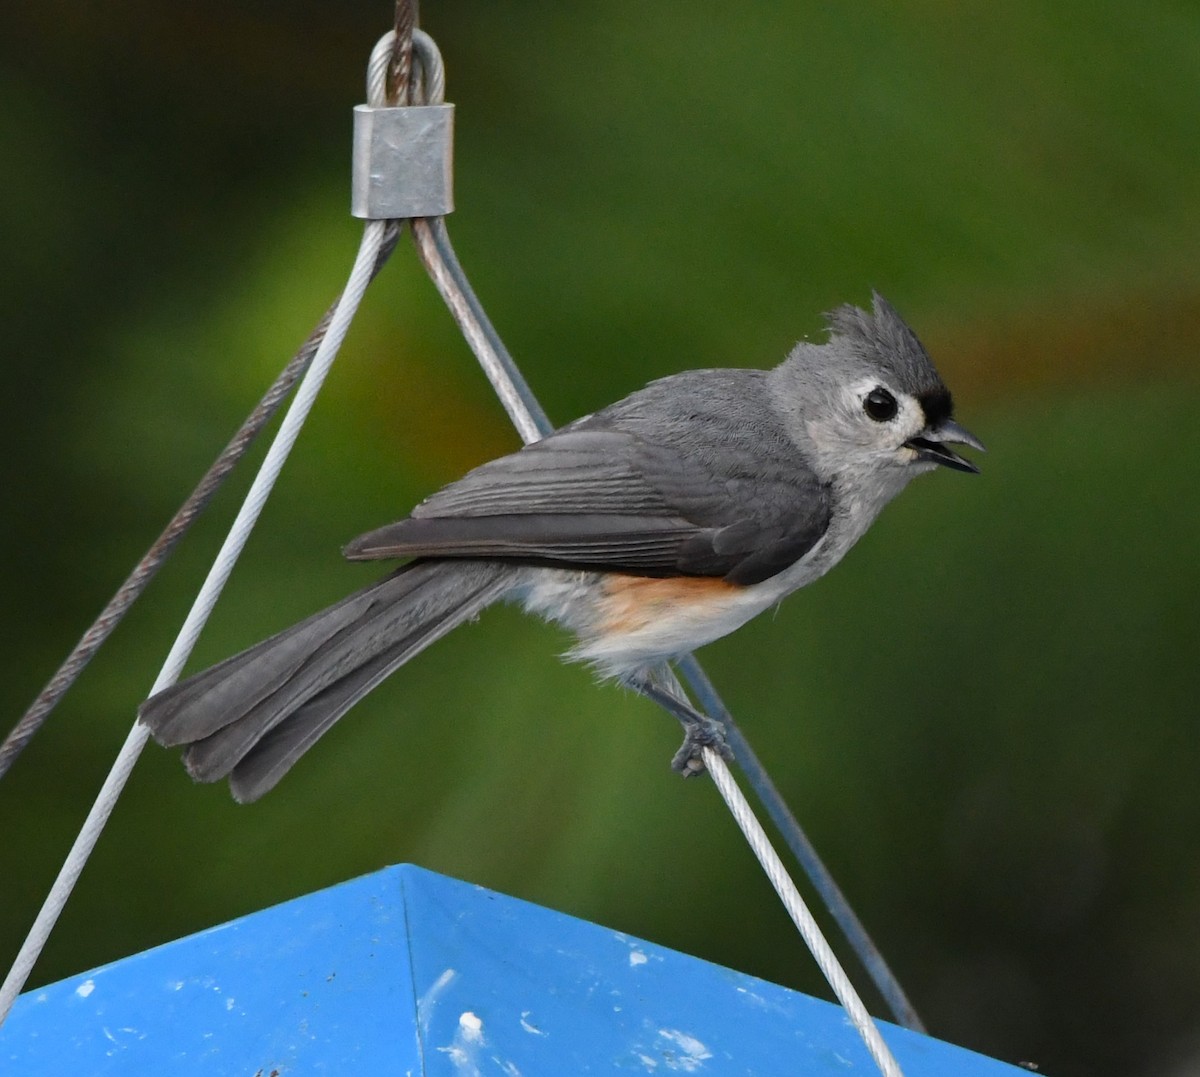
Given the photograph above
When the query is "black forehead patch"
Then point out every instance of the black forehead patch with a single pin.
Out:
(937, 405)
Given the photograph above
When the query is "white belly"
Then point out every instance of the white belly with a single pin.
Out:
(625, 623)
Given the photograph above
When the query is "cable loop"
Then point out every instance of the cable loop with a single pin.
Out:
(432, 71)
(428, 75)
(377, 71)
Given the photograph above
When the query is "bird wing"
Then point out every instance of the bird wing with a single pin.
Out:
(609, 499)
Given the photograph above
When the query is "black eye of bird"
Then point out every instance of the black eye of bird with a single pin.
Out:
(880, 405)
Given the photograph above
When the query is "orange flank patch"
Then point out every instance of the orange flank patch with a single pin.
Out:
(632, 603)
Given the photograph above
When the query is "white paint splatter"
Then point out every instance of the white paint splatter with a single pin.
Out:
(636, 957)
(229, 1004)
(529, 1026)
(85, 988)
(648, 1062)
(428, 1001)
(689, 1053)
(458, 1058)
(770, 1005)
(463, 1053)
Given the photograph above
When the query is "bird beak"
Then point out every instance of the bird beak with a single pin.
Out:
(931, 445)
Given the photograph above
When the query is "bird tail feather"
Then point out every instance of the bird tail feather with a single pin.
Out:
(252, 716)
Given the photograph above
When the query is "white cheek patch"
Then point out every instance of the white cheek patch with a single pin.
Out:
(910, 420)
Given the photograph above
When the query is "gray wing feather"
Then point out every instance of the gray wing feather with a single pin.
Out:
(691, 475)
(584, 471)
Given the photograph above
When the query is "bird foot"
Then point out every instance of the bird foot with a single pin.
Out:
(700, 732)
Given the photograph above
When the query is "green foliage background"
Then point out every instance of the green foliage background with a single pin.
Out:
(986, 717)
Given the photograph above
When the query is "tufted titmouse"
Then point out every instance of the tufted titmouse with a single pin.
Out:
(648, 529)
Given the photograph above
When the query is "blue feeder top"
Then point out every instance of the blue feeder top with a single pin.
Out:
(407, 972)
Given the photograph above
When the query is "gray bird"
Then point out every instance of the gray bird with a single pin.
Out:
(648, 529)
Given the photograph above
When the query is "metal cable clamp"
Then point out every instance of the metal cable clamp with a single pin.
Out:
(403, 159)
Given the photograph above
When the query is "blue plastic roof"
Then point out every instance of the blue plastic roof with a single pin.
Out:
(407, 972)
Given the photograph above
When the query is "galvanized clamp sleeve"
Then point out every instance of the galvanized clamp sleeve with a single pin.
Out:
(403, 162)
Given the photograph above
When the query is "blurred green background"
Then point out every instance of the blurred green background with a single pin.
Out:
(986, 716)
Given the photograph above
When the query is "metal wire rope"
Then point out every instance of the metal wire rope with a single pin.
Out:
(397, 69)
(311, 363)
(157, 555)
(89, 834)
(903, 1011)
(437, 255)
(816, 942)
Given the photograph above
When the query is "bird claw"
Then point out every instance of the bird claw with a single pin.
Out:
(700, 732)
